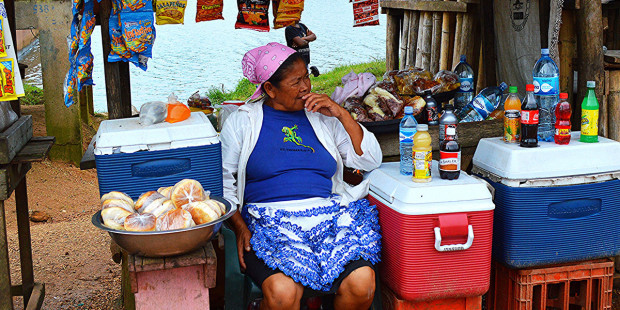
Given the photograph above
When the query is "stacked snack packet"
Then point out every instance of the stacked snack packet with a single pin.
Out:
(10, 80)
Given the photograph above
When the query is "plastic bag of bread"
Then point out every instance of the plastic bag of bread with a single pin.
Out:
(153, 205)
(203, 211)
(114, 212)
(163, 208)
(117, 195)
(153, 112)
(416, 102)
(187, 191)
(354, 106)
(140, 222)
(145, 199)
(165, 191)
(175, 219)
(448, 80)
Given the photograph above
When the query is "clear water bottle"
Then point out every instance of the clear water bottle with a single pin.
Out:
(465, 93)
(547, 94)
(483, 105)
(407, 129)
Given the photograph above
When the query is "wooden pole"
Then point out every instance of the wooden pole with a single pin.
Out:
(25, 243)
(603, 108)
(590, 51)
(446, 52)
(613, 100)
(391, 41)
(404, 40)
(423, 51)
(567, 47)
(117, 80)
(488, 43)
(436, 42)
(414, 26)
(458, 36)
(6, 301)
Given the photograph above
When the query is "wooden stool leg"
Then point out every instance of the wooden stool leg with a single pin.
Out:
(23, 230)
(6, 301)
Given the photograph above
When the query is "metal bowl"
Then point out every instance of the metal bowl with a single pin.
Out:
(166, 243)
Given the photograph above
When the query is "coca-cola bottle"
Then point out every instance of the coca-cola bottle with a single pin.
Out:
(449, 155)
(529, 118)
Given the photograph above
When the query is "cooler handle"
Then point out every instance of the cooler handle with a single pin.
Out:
(454, 247)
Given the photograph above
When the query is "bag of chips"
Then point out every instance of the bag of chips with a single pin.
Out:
(290, 5)
(2, 46)
(209, 10)
(7, 68)
(170, 11)
(365, 13)
(138, 32)
(253, 14)
(136, 5)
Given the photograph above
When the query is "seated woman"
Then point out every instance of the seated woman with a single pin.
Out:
(283, 156)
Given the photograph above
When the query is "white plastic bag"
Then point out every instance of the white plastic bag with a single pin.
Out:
(7, 116)
(153, 112)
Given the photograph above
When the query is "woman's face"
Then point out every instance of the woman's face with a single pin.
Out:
(294, 85)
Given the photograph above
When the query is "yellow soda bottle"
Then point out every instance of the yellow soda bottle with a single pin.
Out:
(512, 117)
(422, 155)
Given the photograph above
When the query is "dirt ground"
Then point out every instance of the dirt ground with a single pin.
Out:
(70, 255)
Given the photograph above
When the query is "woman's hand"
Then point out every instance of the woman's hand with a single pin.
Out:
(323, 104)
(243, 235)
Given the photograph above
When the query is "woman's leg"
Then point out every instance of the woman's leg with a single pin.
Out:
(281, 292)
(357, 290)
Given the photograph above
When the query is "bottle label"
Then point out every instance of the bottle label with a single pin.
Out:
(406, 136)
(546, 85)
(447, 132)
(467, 85)
(422, 161)
(529, 117)
(449, 161)
(589, 122)
(432, 114)
(563, 131)
(512, 126)
(483, 106)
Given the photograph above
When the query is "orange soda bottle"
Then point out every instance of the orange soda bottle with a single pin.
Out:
(512, 117)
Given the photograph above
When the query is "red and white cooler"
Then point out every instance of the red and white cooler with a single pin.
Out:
(437, 236)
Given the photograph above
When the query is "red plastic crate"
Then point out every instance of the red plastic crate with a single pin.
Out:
(576, 286)
(391, 302)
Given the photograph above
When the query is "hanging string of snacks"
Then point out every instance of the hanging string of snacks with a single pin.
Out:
(81, 57)
(253, 14)
(365, 13)
(209, 10)
(286, 12)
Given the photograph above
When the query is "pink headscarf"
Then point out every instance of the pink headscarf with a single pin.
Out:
(260, 63)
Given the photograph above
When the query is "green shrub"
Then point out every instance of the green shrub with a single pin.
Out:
(33, 95)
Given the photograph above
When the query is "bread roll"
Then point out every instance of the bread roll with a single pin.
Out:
(221, 205)
(165, 191)
(175, 219)
(140, 222)
(117, 195)
(114, 212)
(203, 212)
(215, 206)
(145, 199)
(153, 205)
(187, 191)
(163, 208)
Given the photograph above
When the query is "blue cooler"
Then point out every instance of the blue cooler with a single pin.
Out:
(135, 159)
(554, 203)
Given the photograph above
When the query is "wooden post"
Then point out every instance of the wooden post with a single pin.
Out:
(423, 51)
(567, 47)
(6, 301)
(603, 125)
(404, 40)
(414, 26)
(488, 54)
(590, 51)
(613, 100)
(23, 232)
(446, 52)
(62, 122)
(391, 41)
(117, 80)
(436, 42)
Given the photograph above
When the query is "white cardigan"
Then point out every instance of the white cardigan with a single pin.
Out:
(241, 131)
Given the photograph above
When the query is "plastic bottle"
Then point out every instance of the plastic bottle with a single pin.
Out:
(432, 108)
(546, 91)
(450, 155)
(447, 120)
(407, 129)
(465, 93)
(512, 117)
(529, 118)
(589, 115)
(562, 120)
(483, 104)
(422, 155)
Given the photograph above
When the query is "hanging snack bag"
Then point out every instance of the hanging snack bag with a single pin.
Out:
(2, 46)
(118, 50)
(9, 91)
(287, 12)
(84, 65)
(136, 5)
(170, 11)
(290, 5)
(209, 10)
(365, 13)
(253, 14)
(138, 32)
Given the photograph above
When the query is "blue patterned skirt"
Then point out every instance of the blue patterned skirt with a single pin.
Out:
(312, 240)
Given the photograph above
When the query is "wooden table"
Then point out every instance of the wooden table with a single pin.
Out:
(13, 178)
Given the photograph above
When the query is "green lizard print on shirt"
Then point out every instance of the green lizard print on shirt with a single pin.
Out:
(291, 136)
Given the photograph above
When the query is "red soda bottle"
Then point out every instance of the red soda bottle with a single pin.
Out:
(562, 120)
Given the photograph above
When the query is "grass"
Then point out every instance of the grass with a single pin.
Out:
(325, 83)
(33, 95)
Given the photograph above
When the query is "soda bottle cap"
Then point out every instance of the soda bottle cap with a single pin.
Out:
(408, 109)
(529, 87)
(448, 107)
(544, 51)
(563, 96)
(422, 127)
(503, 86)
(463, 58)
(591, 84)
(512, 89)
(427, 92)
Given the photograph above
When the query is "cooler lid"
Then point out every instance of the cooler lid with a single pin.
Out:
(465, 194)
(127, 135)
(549, 160)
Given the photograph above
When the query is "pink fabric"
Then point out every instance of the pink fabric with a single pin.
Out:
(354, 85)
(260, 63)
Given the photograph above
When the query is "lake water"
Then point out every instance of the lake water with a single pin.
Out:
(199, 56)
